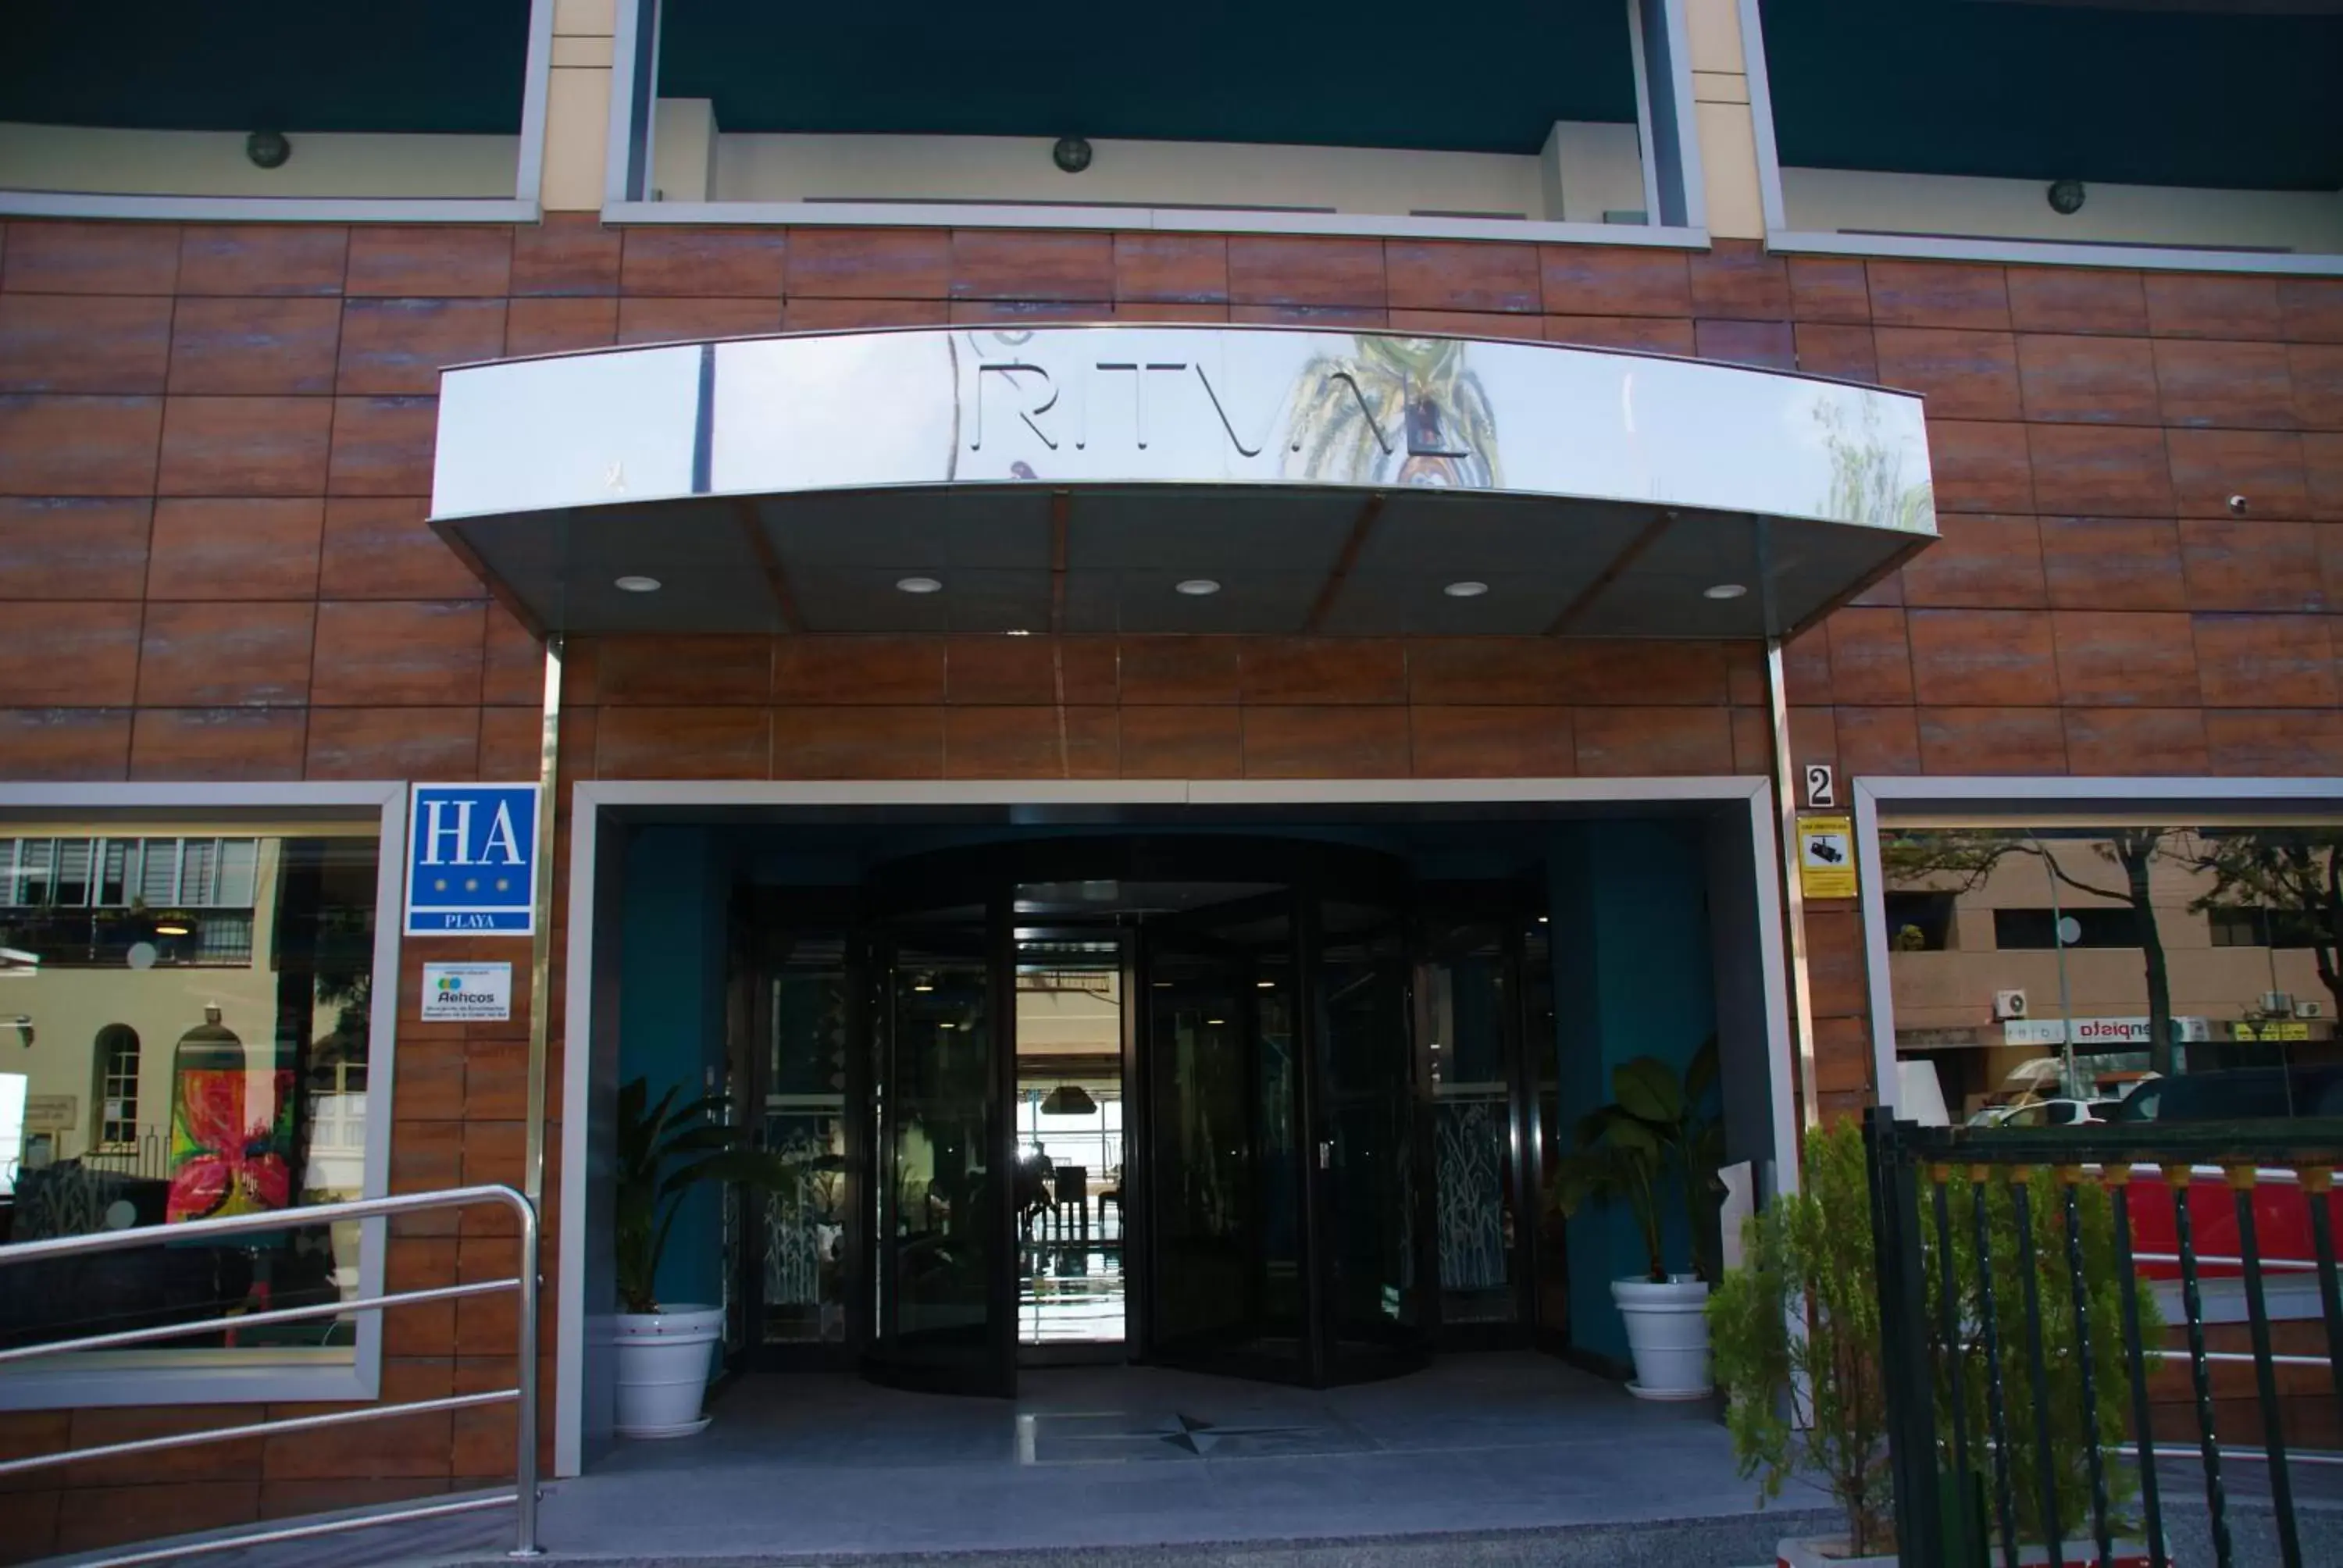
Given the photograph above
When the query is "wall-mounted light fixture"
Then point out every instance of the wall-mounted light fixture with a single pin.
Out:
(267, 149)
(1072, 153)
(2066, 198)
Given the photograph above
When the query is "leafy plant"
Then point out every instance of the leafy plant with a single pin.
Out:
(1657, 1127)
(1810, 1250)
(664, 1151)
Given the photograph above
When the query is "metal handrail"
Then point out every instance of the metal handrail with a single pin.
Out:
(524, 1285)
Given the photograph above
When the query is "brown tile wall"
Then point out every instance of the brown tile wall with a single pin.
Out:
(215, 459)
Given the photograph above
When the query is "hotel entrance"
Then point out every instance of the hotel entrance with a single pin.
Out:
(1254, 1106)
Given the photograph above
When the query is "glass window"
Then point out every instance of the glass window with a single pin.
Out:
(192, 1015)
(2080, 964)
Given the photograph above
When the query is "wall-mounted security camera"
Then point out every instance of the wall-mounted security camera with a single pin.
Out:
(2237, 504)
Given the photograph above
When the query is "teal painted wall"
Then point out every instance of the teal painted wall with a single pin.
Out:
(671, 1014)
(1631, 977)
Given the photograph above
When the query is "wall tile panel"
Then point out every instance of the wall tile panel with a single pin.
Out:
(1829, 289)
(2229, 386)
(1870, 661)
(255, 346)
(1965, 657)
(430, 263)
(219, 655)
(1978, 561)
(2195, 304)
(77, 446)
(1010, 670)
(858, 670)
(2125, 658)
(1939, 293)
(2091, 469)
(1170, 741)
(1179, 670)
(1768, 345)
(72, 547)
(382, 446)
(253, 548)
(2312, 308)
(682, 743)
(1325, 742)
(2112, 563)
(1619, 743)
(2274, 743)
(1013, 264)
(661, 318)
(1461, 275)
(1310, 671)
(2234, 563)
(1979, 467)
(1589, 280)
(845, 742)
(2264, 467)
(739, 262)
(2322, 465)
(2137, 741)
(263, 258)
(1741, 279)
(657, 671)
(381, 548)
(90, 258)
(560, 325)
(844, 315)
(566, 252)
(1876, 740)
(2077, 299)
(2316, 373)
(396, 653)
(869, 264)
(218, 743)
(2264, 660)
(1640, 334)
(65, 743)
(1845, 351)
(84, 343)
(245, 445)
(1464, 742)
(1300, 270)
(1171, 269)
(1480, 672)
(393, 345)
(68, 655)
(2078, 380)
(441, 743)
(2015, 741)
(1021, 742)
(1963, 375)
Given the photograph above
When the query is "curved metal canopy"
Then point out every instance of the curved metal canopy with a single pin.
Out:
(1171, 478)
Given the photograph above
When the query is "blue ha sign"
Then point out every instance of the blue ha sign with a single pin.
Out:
(471, 861)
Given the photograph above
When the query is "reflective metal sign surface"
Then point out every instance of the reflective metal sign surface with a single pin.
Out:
(1083, 406)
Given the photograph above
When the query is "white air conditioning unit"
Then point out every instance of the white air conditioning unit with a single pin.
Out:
(2008, 1004)
(2309, 1009)
(2277, 1004)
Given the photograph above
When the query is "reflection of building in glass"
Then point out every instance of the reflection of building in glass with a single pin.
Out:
(2004, 946)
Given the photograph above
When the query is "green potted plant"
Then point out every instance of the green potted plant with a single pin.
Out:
(1657, 1133)
(665, 1350)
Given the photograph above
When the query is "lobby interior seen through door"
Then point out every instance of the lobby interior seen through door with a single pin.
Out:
(1262, 1106)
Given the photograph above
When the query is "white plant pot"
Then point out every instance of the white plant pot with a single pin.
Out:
(1667, 1332)
(663, 1360)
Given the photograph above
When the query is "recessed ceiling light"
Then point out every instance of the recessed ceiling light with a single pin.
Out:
(917, 585)
(1466, 590)
(1198, 587)
(1723, 590)
(1020, 632)
(637, 585)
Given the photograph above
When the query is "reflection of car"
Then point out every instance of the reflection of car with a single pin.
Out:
(2046, 1113)
(2237, 1094)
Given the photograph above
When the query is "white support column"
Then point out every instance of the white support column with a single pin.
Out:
(577, 105)
(1727, 133)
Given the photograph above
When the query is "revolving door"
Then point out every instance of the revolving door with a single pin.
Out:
(1233, 1026)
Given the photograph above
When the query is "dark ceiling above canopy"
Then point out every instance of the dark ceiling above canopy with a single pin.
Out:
(416, 65)
(2125, 94)
(1492, 77)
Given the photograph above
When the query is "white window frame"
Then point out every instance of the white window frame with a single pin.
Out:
(522, 207)
(1668, 136)
(1780, 237)
(227, 1376)
(2037, 801)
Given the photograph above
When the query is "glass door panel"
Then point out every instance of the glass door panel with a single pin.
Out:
(1225, 1169)
(1370, 1198)
(806, 1242)
(944, 1319)
(1465, 1010)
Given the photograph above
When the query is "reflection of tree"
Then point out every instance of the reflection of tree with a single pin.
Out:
(1867, 484)
(1396, 410)
(1960, 860)
(2295, 874)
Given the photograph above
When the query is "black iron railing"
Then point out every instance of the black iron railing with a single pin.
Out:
(2020, 1278)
